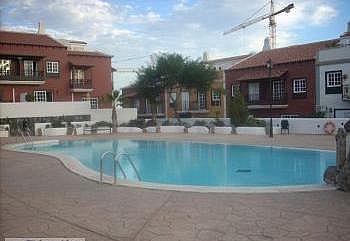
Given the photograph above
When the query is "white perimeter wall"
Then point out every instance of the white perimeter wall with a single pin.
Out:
(124, 115)
(46, 109)
(43, 109)
(308, 125)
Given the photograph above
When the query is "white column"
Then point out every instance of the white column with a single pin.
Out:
(13, 95)
(72, 96)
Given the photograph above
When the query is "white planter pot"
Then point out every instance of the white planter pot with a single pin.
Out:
(129, 130)
(172, 129)
(103, 130)
(151, 129)
(248, 130)
(80, 130)
(4, 134)
(56, 131)
(198, 130)
(40, 127)
(226, 130)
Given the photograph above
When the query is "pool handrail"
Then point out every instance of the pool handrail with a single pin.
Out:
(116, 161)
(131, 163)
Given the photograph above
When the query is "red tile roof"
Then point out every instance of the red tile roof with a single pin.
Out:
(89, 53)
(295, 53)
(262, 74)
(9, 37)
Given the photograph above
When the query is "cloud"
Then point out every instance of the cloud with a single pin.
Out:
(323, 14)
(187, 27)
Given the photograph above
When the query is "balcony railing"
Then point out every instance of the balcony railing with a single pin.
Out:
(27, 76)
(255, 99)
(80, 84)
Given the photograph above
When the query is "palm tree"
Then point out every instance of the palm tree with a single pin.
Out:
(115, 98)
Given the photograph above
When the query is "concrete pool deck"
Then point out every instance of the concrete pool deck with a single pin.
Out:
(41, 198)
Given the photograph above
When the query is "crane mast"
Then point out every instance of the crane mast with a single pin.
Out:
(272, 22)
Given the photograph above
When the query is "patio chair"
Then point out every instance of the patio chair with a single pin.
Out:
(284, 126)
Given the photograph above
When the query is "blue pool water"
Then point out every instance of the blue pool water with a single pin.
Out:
(191, 163)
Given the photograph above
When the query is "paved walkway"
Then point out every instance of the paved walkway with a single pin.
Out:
(41, 198)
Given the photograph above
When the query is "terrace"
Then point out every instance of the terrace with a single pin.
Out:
(142, 214)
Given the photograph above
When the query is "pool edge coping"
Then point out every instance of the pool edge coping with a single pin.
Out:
(75, 166)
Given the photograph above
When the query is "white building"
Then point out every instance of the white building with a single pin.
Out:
(332, 78)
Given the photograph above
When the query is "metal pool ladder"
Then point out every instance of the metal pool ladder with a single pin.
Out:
(25, 133)
(116, 162)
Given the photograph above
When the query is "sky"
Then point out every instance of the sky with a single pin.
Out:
(133, 30)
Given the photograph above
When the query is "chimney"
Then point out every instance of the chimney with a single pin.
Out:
(205, 56)
(41, 28)
(267, 44)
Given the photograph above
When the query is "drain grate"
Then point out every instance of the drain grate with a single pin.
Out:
(243, 170)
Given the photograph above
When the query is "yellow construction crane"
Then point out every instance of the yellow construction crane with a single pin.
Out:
(272, 22)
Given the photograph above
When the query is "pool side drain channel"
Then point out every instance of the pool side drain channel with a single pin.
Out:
(243, 170)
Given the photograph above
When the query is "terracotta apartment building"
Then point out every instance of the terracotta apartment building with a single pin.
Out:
(292, 91)
(190, 102)
(37, 67)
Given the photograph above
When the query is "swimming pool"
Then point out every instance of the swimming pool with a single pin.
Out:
(202, 164)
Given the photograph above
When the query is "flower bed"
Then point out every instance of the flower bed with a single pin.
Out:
(226, 130)
(198, 130)
(249, 130)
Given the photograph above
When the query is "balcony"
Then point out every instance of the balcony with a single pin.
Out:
(31, 78)
(81, 85)
(255, 101)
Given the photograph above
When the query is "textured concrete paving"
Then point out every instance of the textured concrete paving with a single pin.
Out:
(41, 198)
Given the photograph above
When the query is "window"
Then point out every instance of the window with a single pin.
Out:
(5, 66)
(333, 81)
(52, 67)
(40, 96)
(215, 97)
(234, 88)
(253, 92)
(93, 102)
(299, 86)
(185, 97)
(172, 98)
(147, 106)
(202, 101)
(28, 67)
(77, 74)
(277, 90)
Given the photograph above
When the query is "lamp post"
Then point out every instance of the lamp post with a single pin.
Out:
(269, 67)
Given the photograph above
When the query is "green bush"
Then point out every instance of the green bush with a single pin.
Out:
(200, 123)
(103, 123)
(57, 124)
(254, 122)
(238, 109)
(140, 123)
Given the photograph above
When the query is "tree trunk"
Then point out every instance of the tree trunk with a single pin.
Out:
(114, 119)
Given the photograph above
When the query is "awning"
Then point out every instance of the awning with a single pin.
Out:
(78, 64)
(262, 74)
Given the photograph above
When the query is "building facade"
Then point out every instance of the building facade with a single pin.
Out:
(333, 83)
(37, 67)
(285, 89)
(188, 102)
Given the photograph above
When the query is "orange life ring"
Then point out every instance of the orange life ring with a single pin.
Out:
(329, 127)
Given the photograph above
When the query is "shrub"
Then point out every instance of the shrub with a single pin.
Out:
(238, 109)
(254, 122)
(57, 124)
(219, 123)
(200, 123)
(151, 123)
(140, 123)
(103, 123)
